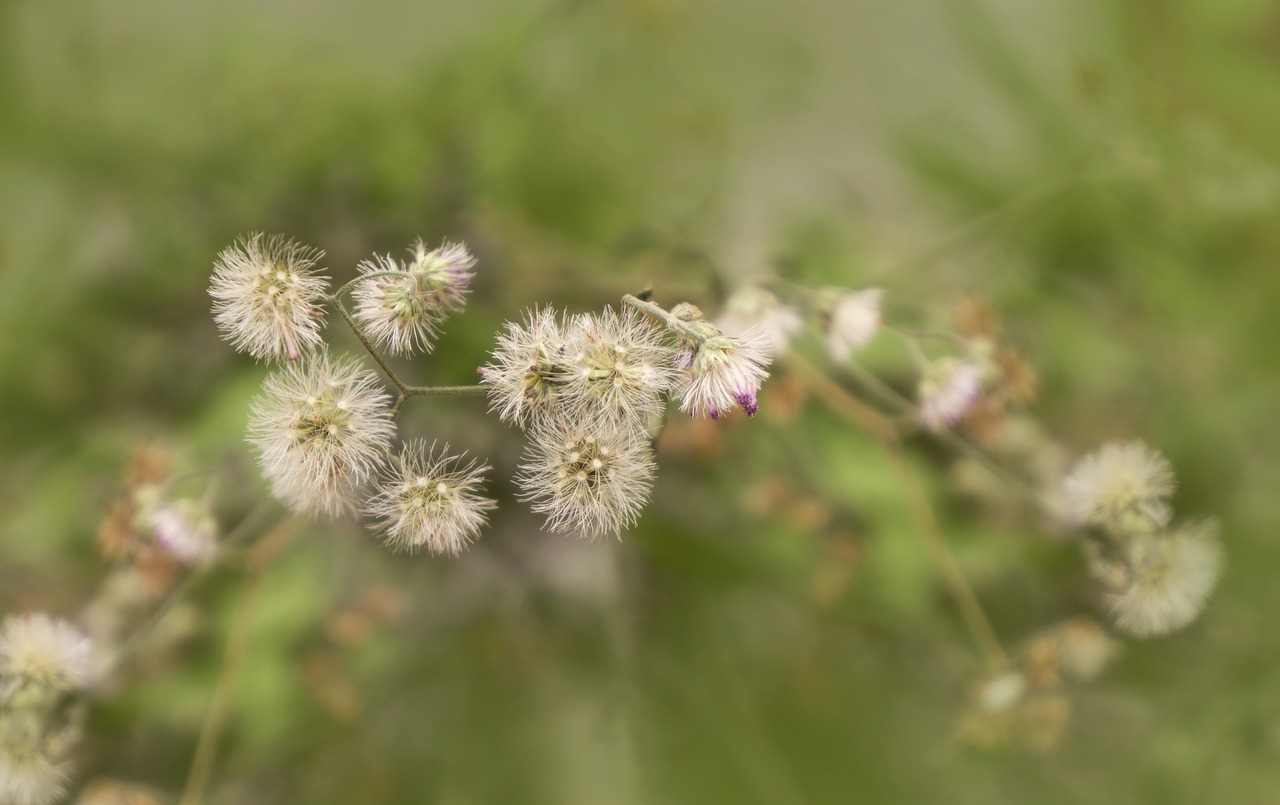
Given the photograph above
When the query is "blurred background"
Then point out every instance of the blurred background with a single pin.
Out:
(1104, 172)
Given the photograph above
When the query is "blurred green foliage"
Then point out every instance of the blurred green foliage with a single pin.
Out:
(1105, 172)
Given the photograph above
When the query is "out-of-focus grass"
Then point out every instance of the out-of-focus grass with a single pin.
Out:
(1105, 172)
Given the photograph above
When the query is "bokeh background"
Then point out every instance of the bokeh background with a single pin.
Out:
(1103, 171)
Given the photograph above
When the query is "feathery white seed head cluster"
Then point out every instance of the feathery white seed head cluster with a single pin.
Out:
(1156, 577)
(595, 380)
(321, 429)
(267, 296)
(430, 499)
(43, 661)
(754, 308)
(401, 305)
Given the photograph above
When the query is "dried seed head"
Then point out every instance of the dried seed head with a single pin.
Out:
(267, 295)
(619, 368)
(529, 369)
(589, 482)
(431, 499)
(320, 428)
(402, 306)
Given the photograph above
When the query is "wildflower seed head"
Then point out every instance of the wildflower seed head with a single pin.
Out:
(726, 371)
(619, 367)
(320, 428)
(752, 306)
(430, 499)
(27, 775)
(529, 369)
(589, 482)
(851, 320)
(948, 389)
(267, 295)
(1122, 485)
(44, 652)
(1164, 579)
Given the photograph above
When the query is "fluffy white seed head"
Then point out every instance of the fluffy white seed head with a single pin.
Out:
(754, 307)
(1118, 483)
(1162, 581)
(948, 389)
(619, 367)
(529, 369)
(431, 499)
(267, 295)
(589, 482)
(725, 371)
(320, 428)
(27, 775)
(402, 310)
(852, 321)
(46, 652)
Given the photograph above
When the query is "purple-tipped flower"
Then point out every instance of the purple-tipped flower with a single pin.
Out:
(948, 390)
(725, 371)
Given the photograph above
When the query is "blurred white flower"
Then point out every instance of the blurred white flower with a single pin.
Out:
(853, 320)
(587, 481)
(431, 499)
(320, 428)
(1120, 479)
(752, 307)
(46, 652)
(267, 295)
(948, 389)
(1164, 580)
(27, 775)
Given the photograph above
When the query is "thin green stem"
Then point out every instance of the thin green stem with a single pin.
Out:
(444, 391)
(368, 345)
(336, 296)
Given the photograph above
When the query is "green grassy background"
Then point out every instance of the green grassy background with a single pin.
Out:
(1106, 172)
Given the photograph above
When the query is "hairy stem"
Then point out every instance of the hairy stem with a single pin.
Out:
(368, 345)
(659, 313)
